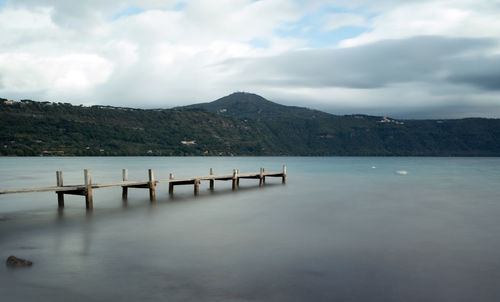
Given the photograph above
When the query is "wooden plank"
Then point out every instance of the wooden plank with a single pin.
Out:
(42, 189)
(250, 176)
(120, 184)
(139, 186)
(183, 182)
(273, 174)
(80, 192)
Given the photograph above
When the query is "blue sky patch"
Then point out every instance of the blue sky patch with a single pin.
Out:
(132, 10)
(180, 6)
(259, 43)
(311, 28)
(320, 39)
(129, 11)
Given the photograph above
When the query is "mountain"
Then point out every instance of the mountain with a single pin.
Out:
(303, 131)
(238, 124)
(249, 105)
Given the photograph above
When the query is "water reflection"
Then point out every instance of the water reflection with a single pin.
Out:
(81, 227)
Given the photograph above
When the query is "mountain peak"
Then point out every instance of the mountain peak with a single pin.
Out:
(250, 105)
(241, 104)
(243, 97)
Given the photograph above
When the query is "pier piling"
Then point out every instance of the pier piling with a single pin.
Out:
(211, 180)
(262, 177)
(283, 178)
(124, 188)
(235, 179)
(171, 184)
(89, 200)
(152, 185)
(196, 186)
(238, 178)
(60, 195)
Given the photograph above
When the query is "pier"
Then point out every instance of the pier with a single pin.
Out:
(87, 187)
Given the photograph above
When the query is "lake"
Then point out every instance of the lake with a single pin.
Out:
(340, 229)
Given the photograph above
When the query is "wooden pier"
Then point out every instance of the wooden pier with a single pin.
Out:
(87, 187)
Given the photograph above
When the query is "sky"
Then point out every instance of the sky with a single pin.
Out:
(399, 58)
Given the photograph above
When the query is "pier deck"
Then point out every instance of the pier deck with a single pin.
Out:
(86, 188)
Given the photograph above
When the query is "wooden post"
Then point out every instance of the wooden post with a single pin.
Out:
(261, 178)
(196, 186)
(283, 179)
(235, 178)
(238, 179)
(171, 185)
(125, 189)
(211, 180)
(152, 185)
(60, 195)
(89, 200)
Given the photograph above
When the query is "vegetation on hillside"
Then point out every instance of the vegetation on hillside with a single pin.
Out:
(239, 124)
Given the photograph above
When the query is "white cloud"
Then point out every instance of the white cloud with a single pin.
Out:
(29, 73)
(154, 53)
(445, 18)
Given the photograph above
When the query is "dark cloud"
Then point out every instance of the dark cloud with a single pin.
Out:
(482, 72)
(376, 65)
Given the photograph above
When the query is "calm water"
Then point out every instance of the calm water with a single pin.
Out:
(339, 230)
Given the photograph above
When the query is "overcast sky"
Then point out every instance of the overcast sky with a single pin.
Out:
(402, 58)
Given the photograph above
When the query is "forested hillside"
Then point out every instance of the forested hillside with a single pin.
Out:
(238, 124)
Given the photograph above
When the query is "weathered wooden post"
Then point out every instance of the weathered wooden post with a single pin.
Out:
(262, 177)
(235, 178)
(196, 186)
(171, 185)
(152, 185)
(238, 179)
(89, 200)
(60, 195)
(283, 179)
(211, 180)
(124, 188)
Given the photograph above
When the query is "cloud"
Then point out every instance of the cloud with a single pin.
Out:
(26, 72)
(449, 18)
(375, 65)
(401, 76)
(341, 55)
(482, 72)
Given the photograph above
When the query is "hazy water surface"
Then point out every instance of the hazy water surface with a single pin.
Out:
(341, 229)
